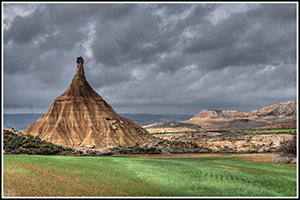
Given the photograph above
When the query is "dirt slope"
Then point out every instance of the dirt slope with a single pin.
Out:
(81, 117)
(283, 115)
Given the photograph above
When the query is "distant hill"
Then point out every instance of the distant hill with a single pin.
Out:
(277, 115)
(277, 110)
(283, 115)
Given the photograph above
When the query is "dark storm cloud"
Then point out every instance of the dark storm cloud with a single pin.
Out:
(152, 57)
(123, 40)
(145, 33)
(254, 37)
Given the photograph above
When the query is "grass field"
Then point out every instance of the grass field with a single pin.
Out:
(270, 130)
(205, 176)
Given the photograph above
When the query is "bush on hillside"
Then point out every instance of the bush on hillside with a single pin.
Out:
(17, 143)
(289, 147)
(287, 151)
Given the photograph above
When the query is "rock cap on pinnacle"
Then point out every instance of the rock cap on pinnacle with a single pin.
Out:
(79, 60)
(79, 88)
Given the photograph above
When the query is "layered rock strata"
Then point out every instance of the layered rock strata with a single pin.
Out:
(283, 115)
(233, 141)
(81, 117)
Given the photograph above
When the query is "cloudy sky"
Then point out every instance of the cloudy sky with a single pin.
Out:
(160, 58)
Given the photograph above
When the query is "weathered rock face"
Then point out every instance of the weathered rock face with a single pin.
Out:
(80, 117)
(232, 141)
(283, 109)
(283, 115)
(214, 114)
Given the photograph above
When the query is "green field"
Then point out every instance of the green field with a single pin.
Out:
(270, 130)
(36, 175)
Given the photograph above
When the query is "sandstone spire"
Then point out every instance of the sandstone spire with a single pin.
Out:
(80, 117)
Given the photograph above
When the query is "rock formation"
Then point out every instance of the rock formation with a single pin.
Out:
(283, 115)
(81, 117)
(231, 141)
(283, 109)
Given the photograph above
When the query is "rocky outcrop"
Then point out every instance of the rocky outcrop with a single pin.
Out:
(289, 125)
(171, 127)
(214, 114)
(81, 117)
(172, 143)
(283, 113)
(231, 141)
(282, 109)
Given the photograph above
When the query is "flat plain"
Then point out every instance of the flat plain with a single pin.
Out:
(176, 175)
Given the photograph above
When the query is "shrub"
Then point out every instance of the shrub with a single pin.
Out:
(32, 151)
(122, 151)
(195, 145)
(7, 149)
(46, 151)
(8, 145)
(17, 144)
(139, 149)
(30, 136)
(23, 151)
(288, 151)
(288, 147)
(69, 149)
(30, 145)
(176, 143)
(80, 152)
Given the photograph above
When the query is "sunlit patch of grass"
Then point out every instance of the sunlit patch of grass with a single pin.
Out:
(133, 176)
(270, 130)
(71, 176)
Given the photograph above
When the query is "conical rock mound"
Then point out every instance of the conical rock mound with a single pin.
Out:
(80, 117)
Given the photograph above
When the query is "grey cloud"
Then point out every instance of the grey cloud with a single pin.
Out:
(246, 39)
(122, 41)
(145, 35)
(153, 56)
(25, 29)
(278, 12)
(171, 63)
(108, 77)
(220, 35)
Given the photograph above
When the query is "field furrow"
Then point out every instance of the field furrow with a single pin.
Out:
(38, 176)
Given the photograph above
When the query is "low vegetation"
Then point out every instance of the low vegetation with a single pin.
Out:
(136, 176)
(287, 151)
(270, 130)
(17, 143)
(175, 125)
(153, 147)
(38, 175)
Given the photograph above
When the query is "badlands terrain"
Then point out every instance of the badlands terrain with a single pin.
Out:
(225, 131)
(210, 132)
(81, 119)
(283, 115)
